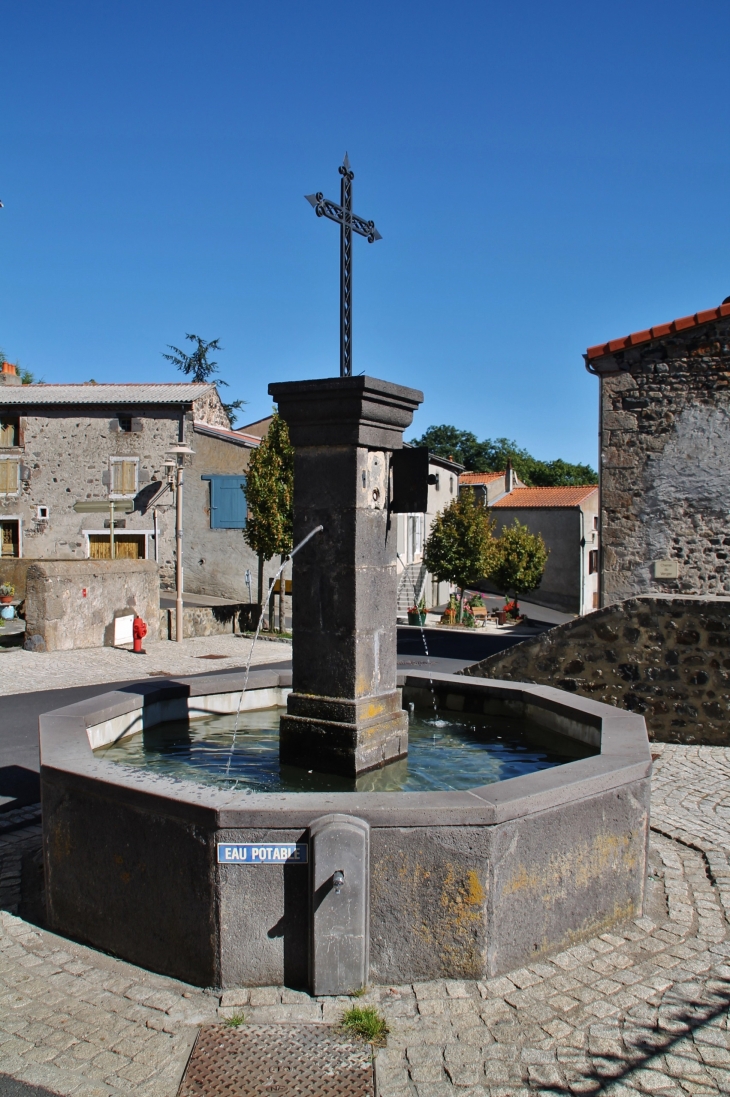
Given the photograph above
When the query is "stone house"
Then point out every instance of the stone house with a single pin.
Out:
(567, 519)
(664, 428)
(73, 455)
(414, 581)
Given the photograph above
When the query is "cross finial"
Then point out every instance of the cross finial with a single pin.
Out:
(349, 222)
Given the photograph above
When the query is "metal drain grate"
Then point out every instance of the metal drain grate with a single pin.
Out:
(277, 1061)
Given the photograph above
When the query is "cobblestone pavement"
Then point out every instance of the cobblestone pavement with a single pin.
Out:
(641, 1009)
(26, 671)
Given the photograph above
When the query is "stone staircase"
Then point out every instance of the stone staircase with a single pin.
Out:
(412, 578)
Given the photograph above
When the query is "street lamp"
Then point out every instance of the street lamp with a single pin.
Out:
(178, 452)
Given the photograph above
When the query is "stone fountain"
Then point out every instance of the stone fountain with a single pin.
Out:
(371, 887)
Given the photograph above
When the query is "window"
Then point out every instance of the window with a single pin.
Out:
(123, 476)
(127, 546)
(10, 538)
(593, 561)
(9, 476)
(9, 433)
(126, 424)
(227, 501)
(595, 521)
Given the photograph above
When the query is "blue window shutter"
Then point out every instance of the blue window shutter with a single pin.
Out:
(227, 502)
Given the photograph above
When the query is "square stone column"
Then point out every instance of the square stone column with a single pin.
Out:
(344, 714)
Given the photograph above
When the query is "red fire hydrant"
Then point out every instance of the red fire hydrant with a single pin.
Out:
(139, 631)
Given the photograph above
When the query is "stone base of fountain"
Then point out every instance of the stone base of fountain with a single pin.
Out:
(458, 884)
(346, 737)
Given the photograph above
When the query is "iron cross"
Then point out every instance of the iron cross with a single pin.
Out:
(349, 222)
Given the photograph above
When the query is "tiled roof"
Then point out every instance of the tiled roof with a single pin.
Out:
(238, 437)
(176, 392)
(480, 477)
(547, 497)
(657, 332)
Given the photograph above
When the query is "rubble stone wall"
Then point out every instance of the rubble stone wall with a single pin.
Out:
(666, 658)
(665, 464)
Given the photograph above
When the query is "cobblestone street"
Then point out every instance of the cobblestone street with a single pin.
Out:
(641, 1009)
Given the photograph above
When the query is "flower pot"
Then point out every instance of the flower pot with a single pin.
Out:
(6, 599)
(416, 618)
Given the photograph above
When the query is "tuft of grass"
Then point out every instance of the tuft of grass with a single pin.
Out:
(365, 1022)
(236, 1020)
(358, 993)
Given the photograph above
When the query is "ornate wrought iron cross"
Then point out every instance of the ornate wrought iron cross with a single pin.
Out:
(349, 222)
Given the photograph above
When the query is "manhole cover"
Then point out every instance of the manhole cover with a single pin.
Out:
(277, 1061)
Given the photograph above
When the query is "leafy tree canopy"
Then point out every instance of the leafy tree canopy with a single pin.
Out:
(200, 369)
(461, 548)
(520, 560)
(270, 493)
(492, 454)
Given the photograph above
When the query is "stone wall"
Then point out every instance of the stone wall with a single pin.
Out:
(667, 658)
(13, 570)
(665, 463)
(73, 603)
(210, 620)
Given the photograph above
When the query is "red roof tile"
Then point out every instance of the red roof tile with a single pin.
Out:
(657, 332)
(547, 497)
(480, 477)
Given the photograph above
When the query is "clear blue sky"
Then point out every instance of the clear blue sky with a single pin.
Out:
(545, 176)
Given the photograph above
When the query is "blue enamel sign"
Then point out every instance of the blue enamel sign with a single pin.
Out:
(263, 853)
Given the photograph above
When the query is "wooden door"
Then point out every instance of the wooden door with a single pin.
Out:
(9, 538)
(127, 546)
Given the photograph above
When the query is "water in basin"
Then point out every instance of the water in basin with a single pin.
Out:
(447, 750)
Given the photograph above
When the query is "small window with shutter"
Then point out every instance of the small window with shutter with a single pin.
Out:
(227, 502)
(9, 432)
(9, 475)
(123, 476)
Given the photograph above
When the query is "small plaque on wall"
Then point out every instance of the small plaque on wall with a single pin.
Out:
(666, 569)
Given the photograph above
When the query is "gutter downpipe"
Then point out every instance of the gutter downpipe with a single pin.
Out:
(582, 561)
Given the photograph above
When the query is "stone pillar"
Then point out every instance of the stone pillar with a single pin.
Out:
(344, 714)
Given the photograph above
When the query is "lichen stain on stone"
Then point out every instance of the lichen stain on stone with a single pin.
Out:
(577, 867)
(590, 927)
(60, 844)
(447, 909)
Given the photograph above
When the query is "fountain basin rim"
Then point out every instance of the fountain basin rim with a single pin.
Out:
(66, 756)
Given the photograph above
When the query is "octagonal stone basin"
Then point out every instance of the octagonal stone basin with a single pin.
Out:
(463, 884)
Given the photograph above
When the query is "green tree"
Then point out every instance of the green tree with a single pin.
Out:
(26, 376)
(492, 454)
(200, 370)
(270, 498)
(519, 561)
(461, 547)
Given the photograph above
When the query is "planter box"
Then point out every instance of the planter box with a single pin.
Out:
(416, 618)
